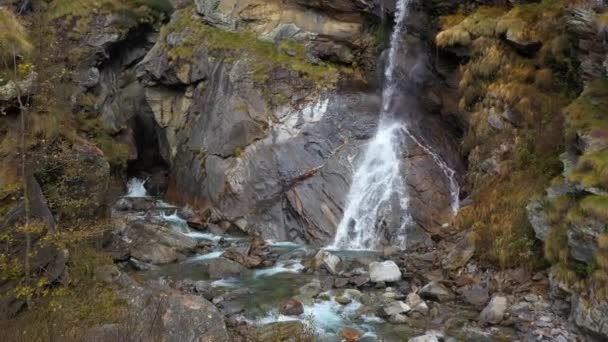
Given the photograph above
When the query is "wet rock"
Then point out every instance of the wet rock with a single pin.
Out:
(221, 268)
(389, 251)
(415, 302)
(280, 331)
(340, 282)
(429, 336)
(350, 334)
(386, 271)
(436, 291)
(343, 299)
(292, 307)
(394, 308)
(230, 307)
(325, 260)
(204, 289)
(311, 289)
(247, 261)
(359, 280)
(494, 312)
(150, 243)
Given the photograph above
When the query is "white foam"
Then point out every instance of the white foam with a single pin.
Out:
(230, 282)
(289, 266)
(208, 256)
(135, 188)
(273, 243)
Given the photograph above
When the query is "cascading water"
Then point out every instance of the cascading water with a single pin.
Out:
(378, 195)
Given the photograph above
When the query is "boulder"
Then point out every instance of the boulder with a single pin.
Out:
(340, 282)
(149, 242)
(311, 289)
(436, 291)
(394, 308)
(204, 289)
(417, 304)
(429, 336)
(222, 268)
(292, 307)
(325, 260)
(359, 280)
(386, 271)
(494, 312)
(350, 335)
(160, 313)
(247, 261)
(476, 295)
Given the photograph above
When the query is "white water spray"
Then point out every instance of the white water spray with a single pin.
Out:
(378, 196)
(136, 188)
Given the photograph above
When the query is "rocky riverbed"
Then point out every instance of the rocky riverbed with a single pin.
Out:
(271, 290)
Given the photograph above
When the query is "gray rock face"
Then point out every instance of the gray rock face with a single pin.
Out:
(582, 239)
(590, 315)
(494, 312)
(284, 167)
(386, 271)
(538, 220)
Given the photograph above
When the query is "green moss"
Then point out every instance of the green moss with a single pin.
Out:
(595, 206)
(591, 170)
(116, 153)
(588, 111)
(139, 9)
(266, 55)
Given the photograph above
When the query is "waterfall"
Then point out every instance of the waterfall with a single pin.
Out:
(135, 188)
(378, 195)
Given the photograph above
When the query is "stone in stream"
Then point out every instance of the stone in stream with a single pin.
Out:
(230, 307)
(429, 336)
(343, 299)
(292, 307)
(386, 271)
(494, 312)
(394, 308)
(350, 335)
(311, 289)
(220, 268)
(249, 261)
(417, 304)
(436, 291)
(331, 263)
(340, 282)
(204, 289)
(359, 280)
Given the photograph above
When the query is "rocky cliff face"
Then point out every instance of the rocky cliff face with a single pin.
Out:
(260, 109)
(522, 72)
